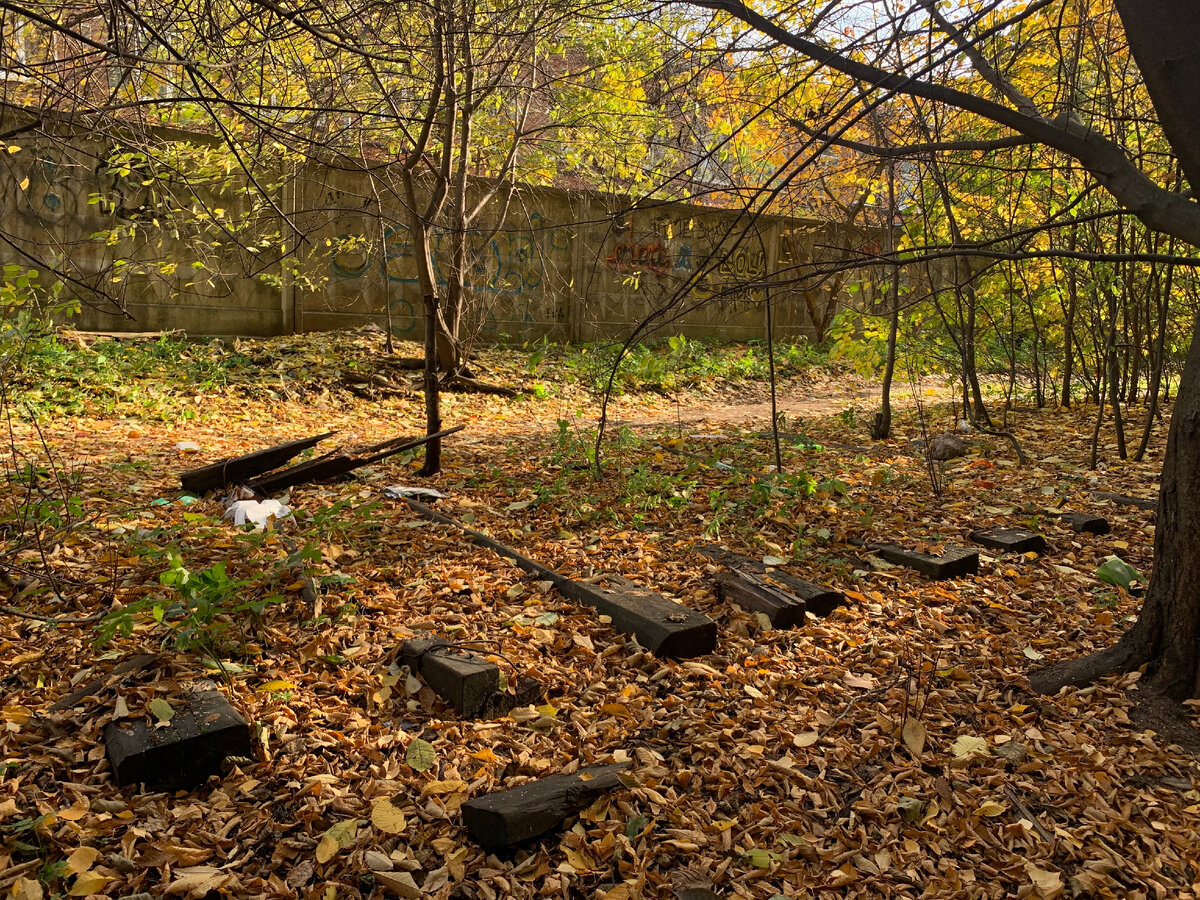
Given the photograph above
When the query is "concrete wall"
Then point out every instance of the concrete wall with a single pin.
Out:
(567, 265)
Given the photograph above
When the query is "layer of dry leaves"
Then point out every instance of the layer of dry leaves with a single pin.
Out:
(891, 750)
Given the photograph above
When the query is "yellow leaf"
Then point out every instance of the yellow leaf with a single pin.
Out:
(278, 684)
(991, 808)
(443, 787)
(81, 860)
(336, 838)
(25, 183)
(13, 148)
(26, 889)
(968, 746)
(579, 861)
(198, 881)
(387, 817)
(88, 883)
(74, 814)
(161, 710)
(616, 709)
(486, 755)
(327, 849)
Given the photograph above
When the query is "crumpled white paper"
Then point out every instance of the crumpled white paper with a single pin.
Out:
(258, 513)
(400, 491)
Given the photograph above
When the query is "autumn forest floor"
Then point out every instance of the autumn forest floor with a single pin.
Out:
(892, 749)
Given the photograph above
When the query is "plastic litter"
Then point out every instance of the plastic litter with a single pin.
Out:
(399, 492)
(257, 513)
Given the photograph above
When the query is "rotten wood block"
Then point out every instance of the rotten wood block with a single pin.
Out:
(662, 626)
(506, 818)
(182, 754)
(755, 593)
(1010, 540)
(954, 563)
(237, 469)
(818, 600)
(463, 680)
(1125, 500)
(1084, 522)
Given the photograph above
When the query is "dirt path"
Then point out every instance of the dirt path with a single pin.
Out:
(750, 403)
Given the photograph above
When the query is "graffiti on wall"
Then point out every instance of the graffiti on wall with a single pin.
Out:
(672, 251)
(47, 189)
(506, 268)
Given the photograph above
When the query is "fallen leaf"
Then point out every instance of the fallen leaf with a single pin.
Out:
(387, 817)
(161, 710)
(913, 735)
(1049, 884)
(968, 746)
(420, 755)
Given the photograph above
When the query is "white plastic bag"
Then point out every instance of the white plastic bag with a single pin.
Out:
(258, 513)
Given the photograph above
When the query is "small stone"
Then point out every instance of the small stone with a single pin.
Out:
(947, 446)
(378, 862)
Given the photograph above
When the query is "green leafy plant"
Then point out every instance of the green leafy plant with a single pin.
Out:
(206, 603)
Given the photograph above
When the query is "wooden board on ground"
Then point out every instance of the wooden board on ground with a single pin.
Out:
(953, 563)
(755, 593)
(238, 469)
(1125, 500)
(660, 625)
(506, 818)
(340, 462)
(182, 754)
(1010, 540)
(462, 679)
(1084, 522)
(818, 600)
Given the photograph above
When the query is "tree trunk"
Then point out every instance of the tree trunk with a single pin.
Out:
(1069, 323)
(883, 419)
(1166, 636)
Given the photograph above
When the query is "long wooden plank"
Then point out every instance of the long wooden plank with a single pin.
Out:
(820, 601)
(331, 465)
(1126, 500)
(662, 626)
(237, 469)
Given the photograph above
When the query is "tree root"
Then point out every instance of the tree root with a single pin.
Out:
(1084, 670)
